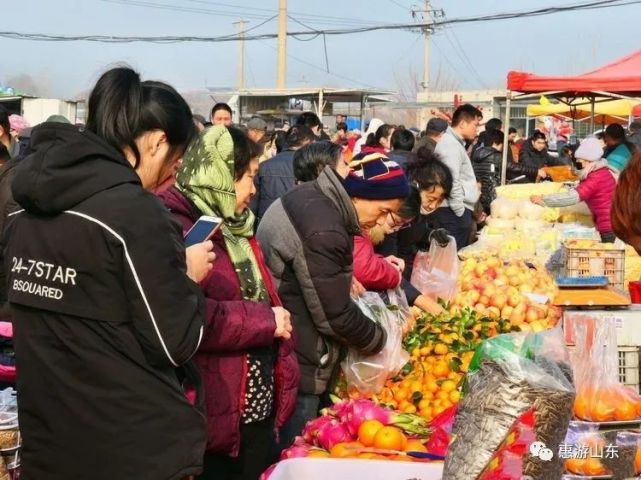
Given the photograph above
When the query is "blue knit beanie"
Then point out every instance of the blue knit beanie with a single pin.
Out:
(375, 177)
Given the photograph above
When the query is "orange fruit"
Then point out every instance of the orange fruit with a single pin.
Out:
(410, 409)
(389, 438)
(443, 395)
(593, 467)
(448, 386)
(401, 394)
(440, 370)
(455, 396)
(582, 408)
(432, 386)
(367, 432)
(415, 446)
(625, 410)
(317, 453)
(441, 349)
(601, 411)
(345, 449)
(575, 465)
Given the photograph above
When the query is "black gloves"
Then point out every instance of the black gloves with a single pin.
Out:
(440, 236)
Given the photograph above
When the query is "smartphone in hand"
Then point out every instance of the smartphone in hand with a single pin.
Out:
(204, 228)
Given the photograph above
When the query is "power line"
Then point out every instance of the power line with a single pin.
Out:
(305, 62)
(465, 60)
(385, 27)
(249, 12)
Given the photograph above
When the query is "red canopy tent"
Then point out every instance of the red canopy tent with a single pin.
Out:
(622, 77)
(619, 79)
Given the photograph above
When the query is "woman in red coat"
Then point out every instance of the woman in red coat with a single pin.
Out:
(246, 358)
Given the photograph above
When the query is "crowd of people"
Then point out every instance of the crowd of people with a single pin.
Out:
(141, 358)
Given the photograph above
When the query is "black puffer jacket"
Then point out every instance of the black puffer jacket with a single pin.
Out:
(531, 157)
(486, 163)
(103, 314)
(307, 239)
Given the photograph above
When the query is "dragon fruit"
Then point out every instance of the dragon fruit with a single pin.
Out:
(353, 413)
(310, 432)
(332, 433)
(298, 450)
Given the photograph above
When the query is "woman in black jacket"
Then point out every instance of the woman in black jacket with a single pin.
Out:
(104, 311)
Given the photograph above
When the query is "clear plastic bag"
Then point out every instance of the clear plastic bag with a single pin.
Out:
(600, 395)
(436, 271)
(509, 375)
(368, 373)
(585, 449)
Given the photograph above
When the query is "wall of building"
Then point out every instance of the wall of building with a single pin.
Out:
(37, 110)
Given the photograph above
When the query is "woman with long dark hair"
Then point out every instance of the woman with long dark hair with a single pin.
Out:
(104, 312)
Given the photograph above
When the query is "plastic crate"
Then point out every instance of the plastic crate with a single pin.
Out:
(629, 362)
(593, 262)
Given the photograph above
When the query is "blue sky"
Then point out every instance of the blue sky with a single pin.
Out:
(566, 43)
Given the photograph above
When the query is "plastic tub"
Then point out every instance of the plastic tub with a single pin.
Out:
(351, 469)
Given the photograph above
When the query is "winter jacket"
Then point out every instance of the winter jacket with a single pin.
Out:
(377, 274)
(372, 270)
(451, 151)
(619, 158)
(307, 238)
(275, 178)
(635, 139)
(597, 191)
(402, 158)
(103, 314)
(530, 157)
(7, 203)
(425, 141)
(232, 327)
(487, 168)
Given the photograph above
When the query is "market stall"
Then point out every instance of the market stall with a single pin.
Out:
(620, 79)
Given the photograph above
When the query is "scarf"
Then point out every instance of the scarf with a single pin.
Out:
(207, 179)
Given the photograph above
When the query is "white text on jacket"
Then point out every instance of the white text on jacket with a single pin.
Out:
(44, 270)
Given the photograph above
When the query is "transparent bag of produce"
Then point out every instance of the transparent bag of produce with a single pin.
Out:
(368, 373)
(436, 271)
(397, 302)
(623, 456)
(600, 396)
(510, 375)
(585, 448)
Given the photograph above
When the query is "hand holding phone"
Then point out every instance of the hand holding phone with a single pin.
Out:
(200, 260)
(204, 228)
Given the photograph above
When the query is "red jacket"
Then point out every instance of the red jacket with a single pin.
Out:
(371, 269)
(597, 191)
(233, 326)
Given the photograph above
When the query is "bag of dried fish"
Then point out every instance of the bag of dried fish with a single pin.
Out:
(509, 375)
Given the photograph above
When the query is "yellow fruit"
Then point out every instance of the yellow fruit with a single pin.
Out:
(441, 349)
(455, 396)
(448, 386)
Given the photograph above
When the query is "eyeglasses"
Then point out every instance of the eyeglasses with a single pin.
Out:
(399, 222)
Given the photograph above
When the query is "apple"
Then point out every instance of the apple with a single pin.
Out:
(501, 280)
(531, 315)
(517, 317)
(480, 269)
(525, 288)
(494, 313)
(489, 290)
(484, 300)
(507, 312)
(493, 262)
(480, 308)
(491, 273)
(474, 296)
(499, 300)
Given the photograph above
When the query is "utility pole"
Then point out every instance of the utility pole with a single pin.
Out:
(427, 46)
(282, 44)
(241, 53)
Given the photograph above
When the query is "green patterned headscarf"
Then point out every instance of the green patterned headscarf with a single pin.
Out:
(207, 179)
